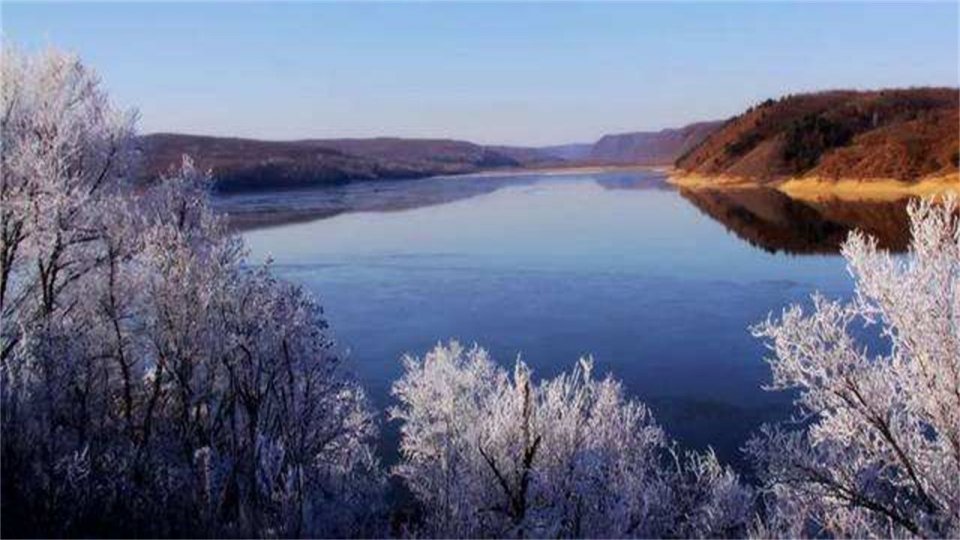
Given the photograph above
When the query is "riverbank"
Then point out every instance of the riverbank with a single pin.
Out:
(559, 170)
(815, 188)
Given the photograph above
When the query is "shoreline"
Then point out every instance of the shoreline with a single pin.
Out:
(558, 170)
(814, 188)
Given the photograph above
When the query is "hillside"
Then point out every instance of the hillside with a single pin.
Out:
(249, 164)
(650, 147)
(904, 135)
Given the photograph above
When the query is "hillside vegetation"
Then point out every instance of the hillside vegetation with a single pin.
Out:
(904, 135)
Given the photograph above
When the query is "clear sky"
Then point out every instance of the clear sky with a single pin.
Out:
(532, 73)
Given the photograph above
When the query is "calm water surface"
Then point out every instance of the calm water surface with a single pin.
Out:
(552, 268)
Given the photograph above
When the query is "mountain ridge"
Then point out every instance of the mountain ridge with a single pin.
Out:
(244, 164)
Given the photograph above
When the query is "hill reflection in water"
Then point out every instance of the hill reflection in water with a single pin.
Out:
(766, 218)
(772, 221)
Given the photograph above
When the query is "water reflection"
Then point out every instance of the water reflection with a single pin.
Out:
(763, 217)
(251, 210)
(772, 221)
(553, 267)
(647, 180)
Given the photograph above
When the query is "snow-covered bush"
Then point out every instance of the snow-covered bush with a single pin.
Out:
(877, 451)
(489, 454)
(153, 383)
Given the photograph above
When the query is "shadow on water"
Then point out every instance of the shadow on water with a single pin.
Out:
(772, 221)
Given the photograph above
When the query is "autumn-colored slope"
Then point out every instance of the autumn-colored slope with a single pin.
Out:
(904, 135)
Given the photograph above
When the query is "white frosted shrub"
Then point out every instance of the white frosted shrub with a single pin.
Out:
(487, 454)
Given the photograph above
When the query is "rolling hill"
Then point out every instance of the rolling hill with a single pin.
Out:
(249, 164)
(904, 135)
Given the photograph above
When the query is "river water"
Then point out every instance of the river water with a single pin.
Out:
(658, 285)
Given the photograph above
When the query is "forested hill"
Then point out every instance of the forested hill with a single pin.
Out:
(903, 134)
(250, 164)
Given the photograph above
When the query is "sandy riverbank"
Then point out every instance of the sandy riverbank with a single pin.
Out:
(697, 181)
(815, 189)
(879, 189)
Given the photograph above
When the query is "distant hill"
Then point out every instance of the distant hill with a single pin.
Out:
(569, 152)
(529, 156)
(904, 135)
(249, 164)
(650, 147)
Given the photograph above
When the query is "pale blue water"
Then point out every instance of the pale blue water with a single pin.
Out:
(554, 267)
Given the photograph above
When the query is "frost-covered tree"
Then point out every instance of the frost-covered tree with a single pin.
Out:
(877, 452)
(152, 382)
(488, 454)
(65, 150)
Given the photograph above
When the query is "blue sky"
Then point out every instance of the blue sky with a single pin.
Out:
(531, 73)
